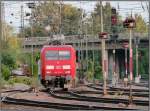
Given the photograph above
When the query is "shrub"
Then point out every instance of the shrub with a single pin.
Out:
(24, 80)
(8, 59)
(5, 72)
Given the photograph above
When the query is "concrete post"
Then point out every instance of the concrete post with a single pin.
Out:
(131, 66)
(103, 53)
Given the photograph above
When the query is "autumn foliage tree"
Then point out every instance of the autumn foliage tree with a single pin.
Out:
(141, 25)
(59, 17)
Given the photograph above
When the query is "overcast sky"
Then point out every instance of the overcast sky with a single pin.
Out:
(123, 8)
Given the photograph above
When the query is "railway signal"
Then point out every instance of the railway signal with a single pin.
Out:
(130, 24)
(103, 36)
(31, 5)
(114, 20)
(113, 16)
(28, 14)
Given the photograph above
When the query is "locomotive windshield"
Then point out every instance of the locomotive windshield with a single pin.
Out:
(52, 55)
(64, 55)
(57, 55)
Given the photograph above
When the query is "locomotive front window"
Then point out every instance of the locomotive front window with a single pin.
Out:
(64, 55)
(57, 55)
(52, 55)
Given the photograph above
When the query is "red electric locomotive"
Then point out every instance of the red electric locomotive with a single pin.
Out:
(58, 65)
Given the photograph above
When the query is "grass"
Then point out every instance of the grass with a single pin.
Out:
(20, 79)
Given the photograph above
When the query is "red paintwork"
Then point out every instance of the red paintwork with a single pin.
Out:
(131, 64)
(61, 71)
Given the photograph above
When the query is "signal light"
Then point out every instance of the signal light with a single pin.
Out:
(31, 5)
(28, 14)
(129, 23)
(113, 20)
(103, 35)
(113, 16)
(113, 11)
(125, 44)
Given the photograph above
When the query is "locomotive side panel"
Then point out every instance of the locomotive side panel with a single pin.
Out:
(73, 63)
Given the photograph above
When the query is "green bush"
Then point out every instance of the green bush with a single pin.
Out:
(98, 72)
(3, 83)
(24, 80)
(8, 59)
(5, 72)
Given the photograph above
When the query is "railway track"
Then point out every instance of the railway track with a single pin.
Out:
(141, 84)
(9, 100)
(118, 89)
(75, 96)
(136, 94)
(125, 101)
(27, 90)
(112, 92)
(61, 106)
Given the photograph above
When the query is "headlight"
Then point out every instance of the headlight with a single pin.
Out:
(48, 72)
(66, 66)
(49, 67)
(67, 72)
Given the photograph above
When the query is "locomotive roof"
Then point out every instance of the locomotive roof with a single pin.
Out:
(57, 46)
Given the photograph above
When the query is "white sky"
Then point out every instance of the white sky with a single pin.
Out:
(124, 8)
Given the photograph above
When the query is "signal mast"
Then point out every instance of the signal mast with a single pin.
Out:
(130, 23)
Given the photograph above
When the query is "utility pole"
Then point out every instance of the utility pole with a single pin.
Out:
(114, 38)
(22, 24)
(93, 55)
(32, 44)
(130, 24)
(126, 72)
(125, 45)
(137, 62)
(0, 51)
(86, 48)
(60, 24)
(81, 37)
(79, 45)
(103, 51)
(3, 22)
(137, 78)
(131, 65)
(22, 19)
(149, 41)
(32, 6)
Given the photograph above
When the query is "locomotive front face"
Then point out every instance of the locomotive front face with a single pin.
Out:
(58, 63)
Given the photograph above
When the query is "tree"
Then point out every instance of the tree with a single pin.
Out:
(49, 13)
(11, 49)
(70, 19)
(141, 25)
(106, 19)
